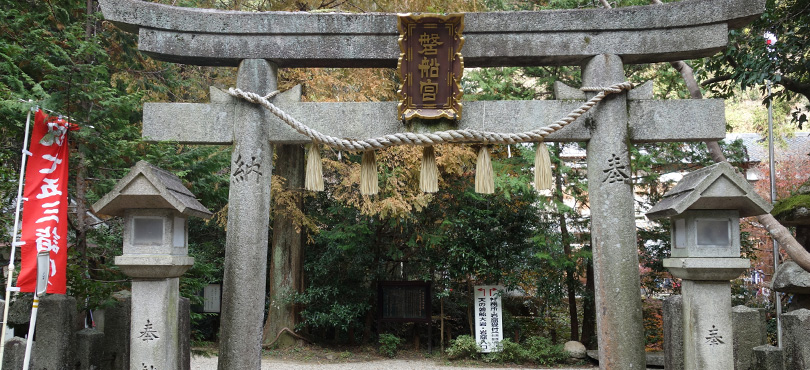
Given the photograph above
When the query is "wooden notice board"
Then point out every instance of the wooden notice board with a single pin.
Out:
(404, 301)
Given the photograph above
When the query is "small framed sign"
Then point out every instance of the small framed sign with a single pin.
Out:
(430, 66)
(403, 301)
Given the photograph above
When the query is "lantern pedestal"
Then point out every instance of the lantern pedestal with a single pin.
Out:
(706, 268)
(155, 206)
(154, 340)
(706, 290)
(153, 267)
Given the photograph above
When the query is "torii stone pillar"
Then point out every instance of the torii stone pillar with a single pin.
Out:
(646, 34)
(610, 192)
(248, 220)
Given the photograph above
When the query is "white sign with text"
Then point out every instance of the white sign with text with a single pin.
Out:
(488, 317)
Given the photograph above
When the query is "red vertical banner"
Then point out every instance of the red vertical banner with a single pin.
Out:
(44, 218)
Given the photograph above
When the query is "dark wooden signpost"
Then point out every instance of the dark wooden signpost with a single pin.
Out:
(430, 66)
(405, 301)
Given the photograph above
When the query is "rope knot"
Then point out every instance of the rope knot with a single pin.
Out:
(613, 89)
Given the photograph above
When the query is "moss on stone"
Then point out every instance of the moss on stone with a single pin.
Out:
(785, 207)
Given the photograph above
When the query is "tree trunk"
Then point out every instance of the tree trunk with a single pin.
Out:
(441, 331)
(588, 309)
(570, 272)
(368, 326)
(81, 207)
(89, 25)
(286, 269)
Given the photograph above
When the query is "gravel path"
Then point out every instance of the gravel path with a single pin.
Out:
(210, 363)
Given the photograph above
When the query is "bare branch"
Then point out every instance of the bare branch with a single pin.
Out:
(689, 78)
(786, 240)
(715, 151)
(715, 80)
(732, 62)
(795, 86)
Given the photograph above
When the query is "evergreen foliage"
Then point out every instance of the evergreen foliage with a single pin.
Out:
(535, 349)
(463, 346)
(749, 60)
(62, 56)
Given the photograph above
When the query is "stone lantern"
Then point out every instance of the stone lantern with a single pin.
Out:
(155, 206)
(705, 209)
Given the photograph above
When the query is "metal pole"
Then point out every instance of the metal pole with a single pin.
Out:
(777, 295)
(14, 242)
(43, 273)
(31, 327)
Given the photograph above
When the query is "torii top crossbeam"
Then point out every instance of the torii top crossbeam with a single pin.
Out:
(641, 34)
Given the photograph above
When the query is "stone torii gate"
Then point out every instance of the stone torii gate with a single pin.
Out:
(601, 41)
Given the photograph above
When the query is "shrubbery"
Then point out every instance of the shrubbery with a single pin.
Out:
(389, 344)
(542, 351)
(463, 347)
(509, 352)
(538, 350)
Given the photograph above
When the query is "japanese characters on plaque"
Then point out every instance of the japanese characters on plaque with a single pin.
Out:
(430, 66)
(488, 317)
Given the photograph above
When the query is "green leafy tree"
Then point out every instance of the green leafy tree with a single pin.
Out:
(750, 59)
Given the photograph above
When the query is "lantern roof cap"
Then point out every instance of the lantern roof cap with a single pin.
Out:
(716, 187)
(147, 186)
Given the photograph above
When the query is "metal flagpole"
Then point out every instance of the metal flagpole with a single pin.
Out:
(14, 237)
(43, 270)
(777, 295)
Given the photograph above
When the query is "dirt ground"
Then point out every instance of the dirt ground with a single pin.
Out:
(360, 358)
(200, 363)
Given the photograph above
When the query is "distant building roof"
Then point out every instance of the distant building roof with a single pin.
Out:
(757, 146)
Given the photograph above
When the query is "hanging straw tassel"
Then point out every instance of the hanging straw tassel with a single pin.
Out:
(542, 168)
(484, 179)
(314, 174)
(429, 174)
(368, 174)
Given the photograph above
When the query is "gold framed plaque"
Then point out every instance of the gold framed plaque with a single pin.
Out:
(430, 66)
